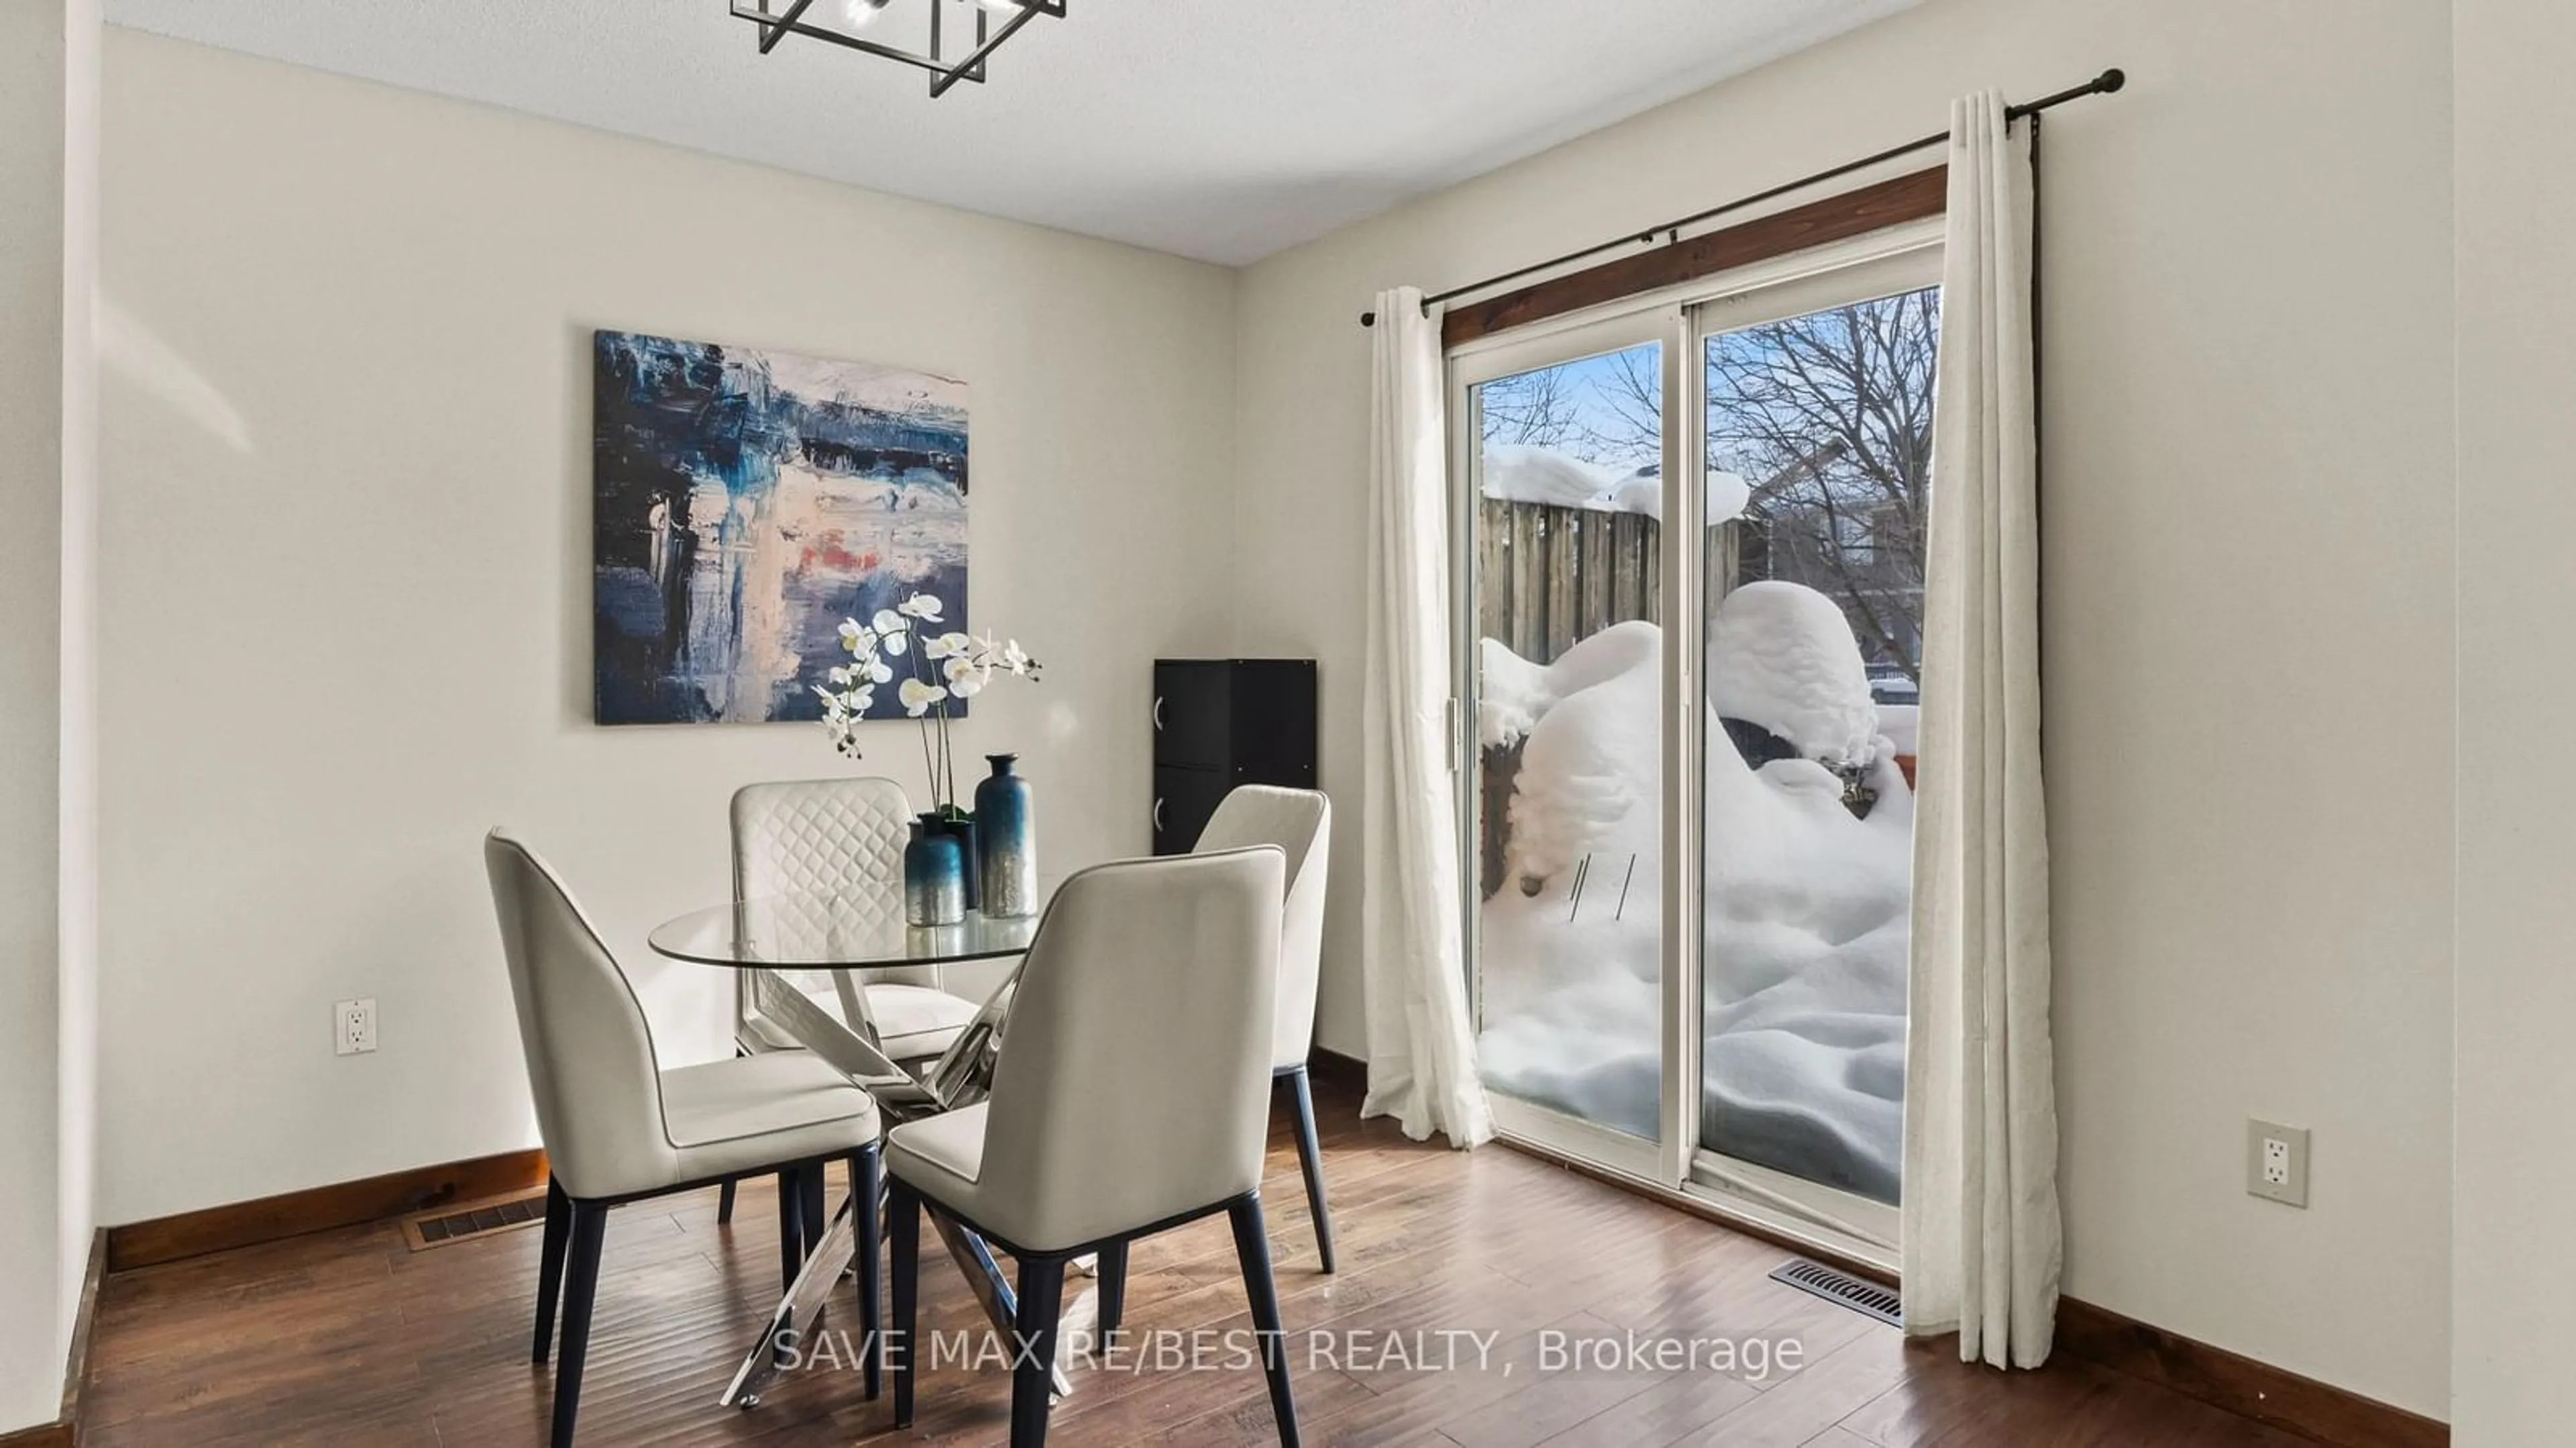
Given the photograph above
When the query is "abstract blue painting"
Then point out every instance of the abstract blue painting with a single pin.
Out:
(743, 504)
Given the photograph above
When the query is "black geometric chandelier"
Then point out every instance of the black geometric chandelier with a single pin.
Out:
(951, 39)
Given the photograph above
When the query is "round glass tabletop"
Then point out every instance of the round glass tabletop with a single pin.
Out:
(843, 930)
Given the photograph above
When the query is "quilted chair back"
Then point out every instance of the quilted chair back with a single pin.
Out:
(814, 838)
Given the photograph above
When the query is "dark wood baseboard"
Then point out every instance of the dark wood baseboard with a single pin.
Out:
(84, 1323)
(64, 1431)
(346, 1204)
(1347, 1071)
(2239, 1384)
(57, 1434)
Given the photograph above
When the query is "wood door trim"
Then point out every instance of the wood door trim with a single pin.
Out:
(1875, 207)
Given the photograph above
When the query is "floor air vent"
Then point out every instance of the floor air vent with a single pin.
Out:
(1866, 1298)
(448, 1224)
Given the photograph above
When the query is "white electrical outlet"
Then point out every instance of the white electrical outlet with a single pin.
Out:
(353, 1027)
(2276, 1162)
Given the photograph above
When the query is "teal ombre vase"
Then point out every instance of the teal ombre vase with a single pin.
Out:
(1007, 840)
(934, 875)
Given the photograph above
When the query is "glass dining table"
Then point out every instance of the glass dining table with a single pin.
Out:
(852, 935)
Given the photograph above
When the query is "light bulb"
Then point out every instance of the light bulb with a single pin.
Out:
(858, 13)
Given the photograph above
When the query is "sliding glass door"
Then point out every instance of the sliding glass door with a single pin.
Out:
(1689, 813)
(1565, 474)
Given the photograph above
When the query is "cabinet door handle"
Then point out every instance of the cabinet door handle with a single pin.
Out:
(1158, 713)
(1158, 814)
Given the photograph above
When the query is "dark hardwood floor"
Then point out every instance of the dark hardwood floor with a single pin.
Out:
(349, 1337)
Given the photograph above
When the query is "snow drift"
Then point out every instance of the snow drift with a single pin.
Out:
(1806, 905)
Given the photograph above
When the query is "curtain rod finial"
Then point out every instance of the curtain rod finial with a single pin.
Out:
(2111, 80)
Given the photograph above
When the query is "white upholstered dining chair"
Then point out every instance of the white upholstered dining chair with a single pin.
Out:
(619, 1129)
(1108, 1122)
(818, 837)
(809, 838)
(1300, 823)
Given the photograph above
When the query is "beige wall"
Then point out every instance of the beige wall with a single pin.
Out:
(76, 1005)
(2248, 530)
(2513, 1258)
(31, 452)
(347, 612)
(48, 872)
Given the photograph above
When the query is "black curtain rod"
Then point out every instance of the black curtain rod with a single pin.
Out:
(2100, 85)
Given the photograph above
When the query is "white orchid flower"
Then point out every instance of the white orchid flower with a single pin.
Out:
(855, 638)
(918, 697)
(967, 688)
(840, 676)
(861, 700)
(962, 669)
(951, 645)
(877, 671)
(1015, 658)
(923, 606)
(937, 646)
(895, 643)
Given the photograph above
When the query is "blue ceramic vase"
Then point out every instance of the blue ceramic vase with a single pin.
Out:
(1009, 841)
(934, 875)
(961, 828)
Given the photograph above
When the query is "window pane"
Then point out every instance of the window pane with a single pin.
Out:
(1820, 451)
(1570, 719)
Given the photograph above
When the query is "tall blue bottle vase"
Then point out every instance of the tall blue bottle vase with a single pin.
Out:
(934, 875)
(1009, 841)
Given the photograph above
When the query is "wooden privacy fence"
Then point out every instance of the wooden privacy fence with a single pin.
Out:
(1547, 576)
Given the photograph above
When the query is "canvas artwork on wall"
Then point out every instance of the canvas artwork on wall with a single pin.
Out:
(743, 504)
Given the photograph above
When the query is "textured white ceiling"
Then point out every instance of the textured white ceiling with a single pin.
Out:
(1219, 129)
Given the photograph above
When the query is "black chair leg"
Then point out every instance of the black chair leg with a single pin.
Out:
(1033, 1377)
(1113, 1290)
(1310, 1160)
(550, 1265)
(1252, 1249)
(791, 1228)
(863, 1202)
(811, 1210)
(904, 1209)
(581, 1287)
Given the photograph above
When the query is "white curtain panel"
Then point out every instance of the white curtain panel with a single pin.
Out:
(1982, 1237)
(1422, 1057)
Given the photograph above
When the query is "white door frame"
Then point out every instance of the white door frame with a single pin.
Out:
(1664, 1159)
(1681, 319)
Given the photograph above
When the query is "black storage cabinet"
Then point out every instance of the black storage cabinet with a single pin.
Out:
(1223, 722)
